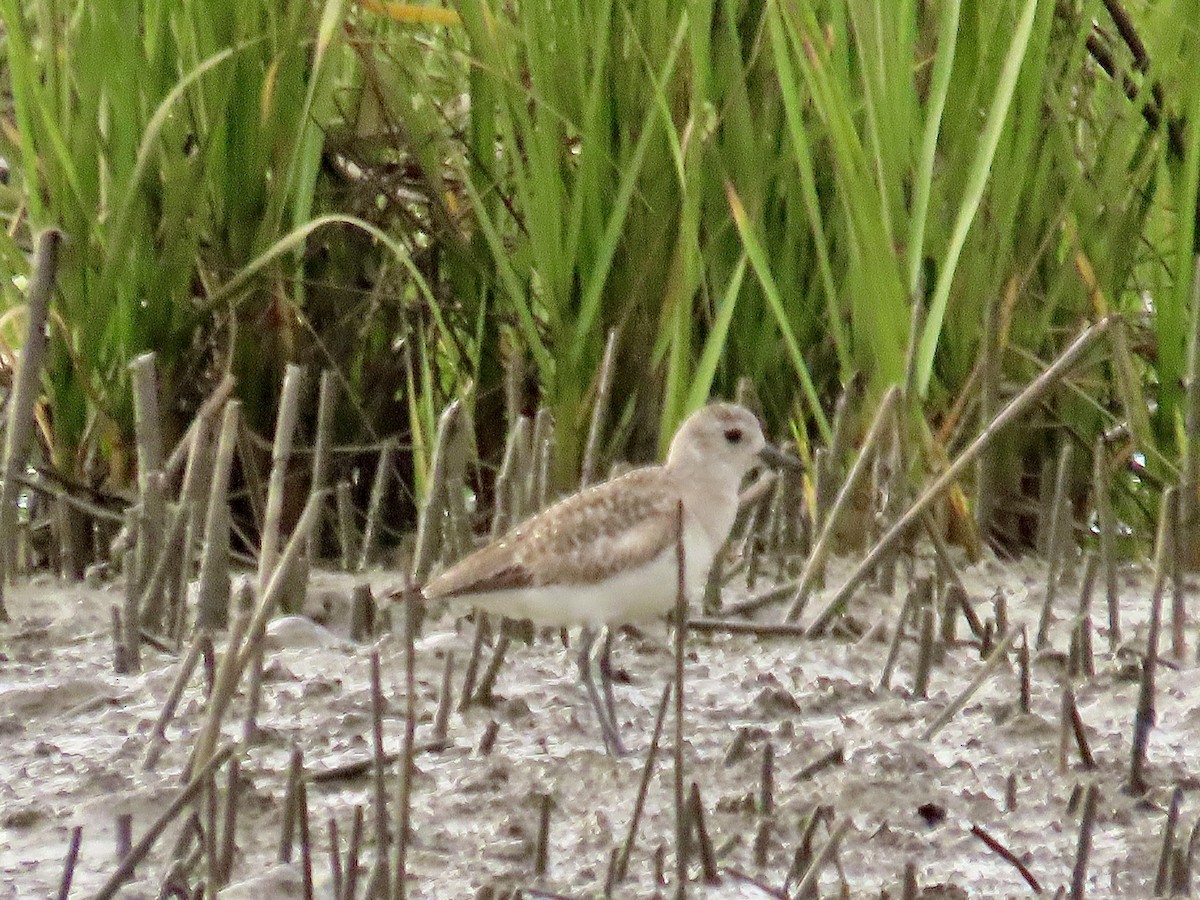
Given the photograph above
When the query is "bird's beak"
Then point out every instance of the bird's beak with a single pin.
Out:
(777, 459)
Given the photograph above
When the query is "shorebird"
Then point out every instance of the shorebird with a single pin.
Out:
(607, 555)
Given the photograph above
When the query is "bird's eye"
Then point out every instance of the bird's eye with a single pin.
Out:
(733, 435)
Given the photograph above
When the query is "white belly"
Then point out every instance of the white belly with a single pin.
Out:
(630, 595)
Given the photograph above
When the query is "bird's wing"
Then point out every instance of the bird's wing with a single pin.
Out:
(582, 539)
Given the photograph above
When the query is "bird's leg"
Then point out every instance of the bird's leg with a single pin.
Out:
(612, 742)
(606, 684)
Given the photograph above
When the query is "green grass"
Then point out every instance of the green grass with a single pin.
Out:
(761, 189)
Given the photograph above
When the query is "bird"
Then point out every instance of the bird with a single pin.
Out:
(607, 555)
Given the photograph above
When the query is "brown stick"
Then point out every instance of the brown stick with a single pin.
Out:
(640, 800)
(1016, 407)
(1084, 848)
(681, 817)
(68, 875)
(182, 799)
(407, 768)
(1008, 856)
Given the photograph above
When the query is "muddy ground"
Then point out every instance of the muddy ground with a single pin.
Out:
(74, 734)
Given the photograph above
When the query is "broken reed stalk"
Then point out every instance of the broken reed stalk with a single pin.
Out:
(946, 561)
(1106, 522)
(956, 705)
(234, 665)
(379, 488)
(681, 611)
(1016, 407)
(350, 884)
(1060, 519)
(1084, 848)
(484, 693)
(1164, 552)
(336, 878)
(708, 858)
(148, 606)
(287, 829)
(862, 465)
(1189, 481)
(766, 781)
(158, 735)
(924, 655)
(808, 884)
(1162, 878)
(507, 504)
(1007, 855)
(322, 441)
(306, 868)
(441, 719)
(538, 486)
(148, 440)
(1143, 721)
(68, 875)
(380, 878)
(541, 853)
(920, 595)
(1024, 686)
(639, 801)
(591, 448)
(408, 749)
(196, 783)
(23, 399)
(1082, 661)
(281, 452)
(131, 634)
(1075, 722)
(229, 826)
(213, 591)
(434, 505)
(345, 520)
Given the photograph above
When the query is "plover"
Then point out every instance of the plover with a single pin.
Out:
(606, 555)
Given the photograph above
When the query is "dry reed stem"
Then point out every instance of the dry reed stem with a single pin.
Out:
(350, 885)
(434, 505)
(131, 633)
(213, 590)
(812, 875)
(1008, 856)
(287, 829)
(281, 452)
(68, 874)
(827, 760)
(1083, 849)
(488, 739)
(237, 660)
(233, 794)
(379, 488)
(336, 879)
(591, 448)
(541, 853)
(1106, 522)
(403, 827)
(1032, 393)
(862, 465)
(766, 781)
(322, 441)
(989, 399)
(1023, 680)
(171, 551)
(956, 705)
(158, 735)
(538, 495)
(1143, 722)
(924, 654)
(1189, 481)
(306, 868)
(643, 785)
(197, 783)
(681, 611)
(1164, 551)
(1162, 878)
(441, 719)
(148, 440)
(345, 520)
(508, 504)
(708, 858)
(920, 595)
(381, 879)
(1060, 517)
